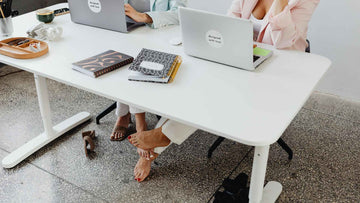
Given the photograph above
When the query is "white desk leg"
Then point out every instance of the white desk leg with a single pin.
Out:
(50, 132)
(257, 192)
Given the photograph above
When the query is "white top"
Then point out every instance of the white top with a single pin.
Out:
(251, 107)
(257, 25)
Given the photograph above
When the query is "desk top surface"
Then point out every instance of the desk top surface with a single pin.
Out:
(253, 108)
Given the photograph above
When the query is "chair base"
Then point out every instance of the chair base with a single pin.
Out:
(281, 142)
(105, 112)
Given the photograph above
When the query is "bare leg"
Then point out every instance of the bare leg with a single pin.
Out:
(140, 122)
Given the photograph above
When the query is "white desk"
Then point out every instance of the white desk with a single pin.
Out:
(258, 106)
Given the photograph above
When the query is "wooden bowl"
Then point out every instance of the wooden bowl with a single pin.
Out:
(12, 48)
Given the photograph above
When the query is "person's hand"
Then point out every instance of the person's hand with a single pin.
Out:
(279, 6)
(137, 16)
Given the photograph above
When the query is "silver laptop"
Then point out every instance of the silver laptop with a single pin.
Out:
(107, 14)
(219, 38)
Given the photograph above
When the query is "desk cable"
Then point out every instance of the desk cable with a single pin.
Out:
(236, 167)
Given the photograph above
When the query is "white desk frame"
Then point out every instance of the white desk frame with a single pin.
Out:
(267, 99)
(50, 133)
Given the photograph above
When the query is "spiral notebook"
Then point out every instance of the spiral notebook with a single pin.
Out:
(163, 61)
(138, 76)
(154, 66)
(102, 63)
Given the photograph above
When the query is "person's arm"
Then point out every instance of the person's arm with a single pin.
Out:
(170, 17)
(287, 26)
(235, 9)
(137, 16)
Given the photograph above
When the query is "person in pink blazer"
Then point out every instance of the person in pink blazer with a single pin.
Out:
(282, 23)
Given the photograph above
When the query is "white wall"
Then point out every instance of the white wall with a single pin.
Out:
(218, 6)
(334, 32)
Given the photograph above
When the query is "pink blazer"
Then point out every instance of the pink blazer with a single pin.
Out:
(287, 30)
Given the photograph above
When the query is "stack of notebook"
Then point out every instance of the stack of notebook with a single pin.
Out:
(154, 66)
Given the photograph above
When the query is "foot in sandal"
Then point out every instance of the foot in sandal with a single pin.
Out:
(120, 128)
(147, 154)
(143, 167)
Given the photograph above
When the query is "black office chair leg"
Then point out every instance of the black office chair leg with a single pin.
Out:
(105, 112)
(214, 146)
(283, 145)
(280, 141)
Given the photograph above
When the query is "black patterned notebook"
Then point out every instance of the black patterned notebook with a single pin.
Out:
(160, 62)
(102, 63)
(138, 76)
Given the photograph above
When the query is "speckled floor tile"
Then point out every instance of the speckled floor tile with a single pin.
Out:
(334, 105)
(27, 183)
(20, 114)
(110, 173)
(324, 168)
(5, 69)
(182, 172)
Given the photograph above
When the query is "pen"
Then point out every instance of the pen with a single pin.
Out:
(1, 10)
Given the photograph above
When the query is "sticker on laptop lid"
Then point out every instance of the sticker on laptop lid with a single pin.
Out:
(215, 38)
(94, 5)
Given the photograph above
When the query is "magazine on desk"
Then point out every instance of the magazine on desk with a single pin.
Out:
(154, 66)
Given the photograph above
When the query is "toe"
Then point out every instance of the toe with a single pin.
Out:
(142, 177)
(121, 135)
(132, 138)
(136, 173)
(116, 135)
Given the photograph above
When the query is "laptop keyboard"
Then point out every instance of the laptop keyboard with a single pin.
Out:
(128, 24)
(255, 58)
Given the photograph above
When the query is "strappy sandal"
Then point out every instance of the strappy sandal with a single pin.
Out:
(88, 137)
(119, 129)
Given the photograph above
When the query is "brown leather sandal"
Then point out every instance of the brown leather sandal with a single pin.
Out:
(88, 137)
(119, 129)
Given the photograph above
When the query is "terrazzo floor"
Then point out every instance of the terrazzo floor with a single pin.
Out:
(325, 138)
